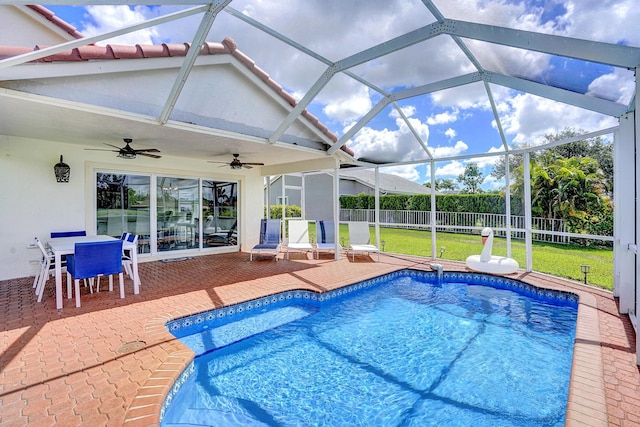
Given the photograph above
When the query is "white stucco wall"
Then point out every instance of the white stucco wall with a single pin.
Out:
(20, 26)
(33, 204)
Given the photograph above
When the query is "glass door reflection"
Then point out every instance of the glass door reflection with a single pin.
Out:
(178, 202)
(219, 213)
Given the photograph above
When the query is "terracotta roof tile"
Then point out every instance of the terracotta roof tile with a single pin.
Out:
(216, 48)
(152, 50)
(117, 52)
(177, 49)
(70, 29)
(120, 52)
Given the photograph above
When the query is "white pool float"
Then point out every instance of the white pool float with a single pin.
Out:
(487, 263)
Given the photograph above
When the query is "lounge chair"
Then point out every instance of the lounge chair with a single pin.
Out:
(269, 239)
(360, 240)
(325, 237)
(298, 237)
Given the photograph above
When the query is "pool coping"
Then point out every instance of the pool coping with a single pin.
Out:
(586, 404)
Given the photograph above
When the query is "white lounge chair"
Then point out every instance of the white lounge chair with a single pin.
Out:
(298, 237)
(360, 240)
(269, 239)
(325, 237)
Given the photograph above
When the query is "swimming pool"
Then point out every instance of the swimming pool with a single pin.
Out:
(396, 350)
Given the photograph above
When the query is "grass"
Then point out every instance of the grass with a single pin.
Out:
(558, 260)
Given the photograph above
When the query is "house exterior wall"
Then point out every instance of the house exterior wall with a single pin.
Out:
(318, 188)
(294, 196)
(20, 27)
(33, 204)
(352, 188)
(319, 201)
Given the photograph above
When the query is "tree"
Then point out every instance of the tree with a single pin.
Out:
(443, 184)
(471, 178)
(570, 189)
(594, 148)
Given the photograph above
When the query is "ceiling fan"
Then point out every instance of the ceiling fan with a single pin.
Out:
(127, 152)
(237, 164)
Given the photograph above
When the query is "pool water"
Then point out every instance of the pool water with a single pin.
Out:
(405, 352)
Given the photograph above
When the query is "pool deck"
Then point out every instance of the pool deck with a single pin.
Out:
(112, 362)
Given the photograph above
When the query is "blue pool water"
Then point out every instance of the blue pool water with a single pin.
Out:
(404, 351)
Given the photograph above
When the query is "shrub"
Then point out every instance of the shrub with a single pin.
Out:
(291, 211)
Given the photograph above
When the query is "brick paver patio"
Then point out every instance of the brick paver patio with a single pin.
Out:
(111, 362)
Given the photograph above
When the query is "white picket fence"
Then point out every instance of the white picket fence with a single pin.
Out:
(463, 222)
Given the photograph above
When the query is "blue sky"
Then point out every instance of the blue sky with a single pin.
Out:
(455, 122)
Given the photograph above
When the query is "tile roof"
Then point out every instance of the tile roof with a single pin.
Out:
(389, 183)
(140, 51)
(49, 15)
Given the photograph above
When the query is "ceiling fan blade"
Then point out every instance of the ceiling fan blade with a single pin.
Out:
(253, 164)
(222, 163)
(154, 156)
(114, 146)
(101, 149)
(246, 166)
(147, 150)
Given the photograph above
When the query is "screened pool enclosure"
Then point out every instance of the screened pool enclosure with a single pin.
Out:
(414, 88)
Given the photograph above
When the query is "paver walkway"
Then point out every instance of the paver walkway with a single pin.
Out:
(111, 361)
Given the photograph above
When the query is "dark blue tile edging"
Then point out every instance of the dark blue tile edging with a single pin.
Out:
(191, 321)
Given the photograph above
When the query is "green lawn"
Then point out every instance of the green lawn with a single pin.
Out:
(558, 260)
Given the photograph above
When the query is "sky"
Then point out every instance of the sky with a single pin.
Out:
(453, 122)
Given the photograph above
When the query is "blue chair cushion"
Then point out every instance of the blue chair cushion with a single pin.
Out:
(95, 258)
(56, 234)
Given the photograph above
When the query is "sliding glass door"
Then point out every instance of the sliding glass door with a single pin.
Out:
(122, 205)
(178, 201)
(219, 213)
(181, 214)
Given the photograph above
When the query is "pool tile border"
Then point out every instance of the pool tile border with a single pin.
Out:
(502, 282)
(187, 321)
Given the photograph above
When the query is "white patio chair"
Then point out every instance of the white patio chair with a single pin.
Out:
(46, 269)
(360, 239)
(325, 237)
(298, 237)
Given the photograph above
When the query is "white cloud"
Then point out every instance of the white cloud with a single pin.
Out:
(616, 86)
(530, 117)
(110, 18)
(443, 118)
(408, 111)
(450, 170)
(458, 149)
(347, 108)
(484, 162)
(407, 171)
(450, 133)
(586, 19)
(390, 145)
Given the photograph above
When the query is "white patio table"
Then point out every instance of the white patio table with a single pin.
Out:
(66, 246)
